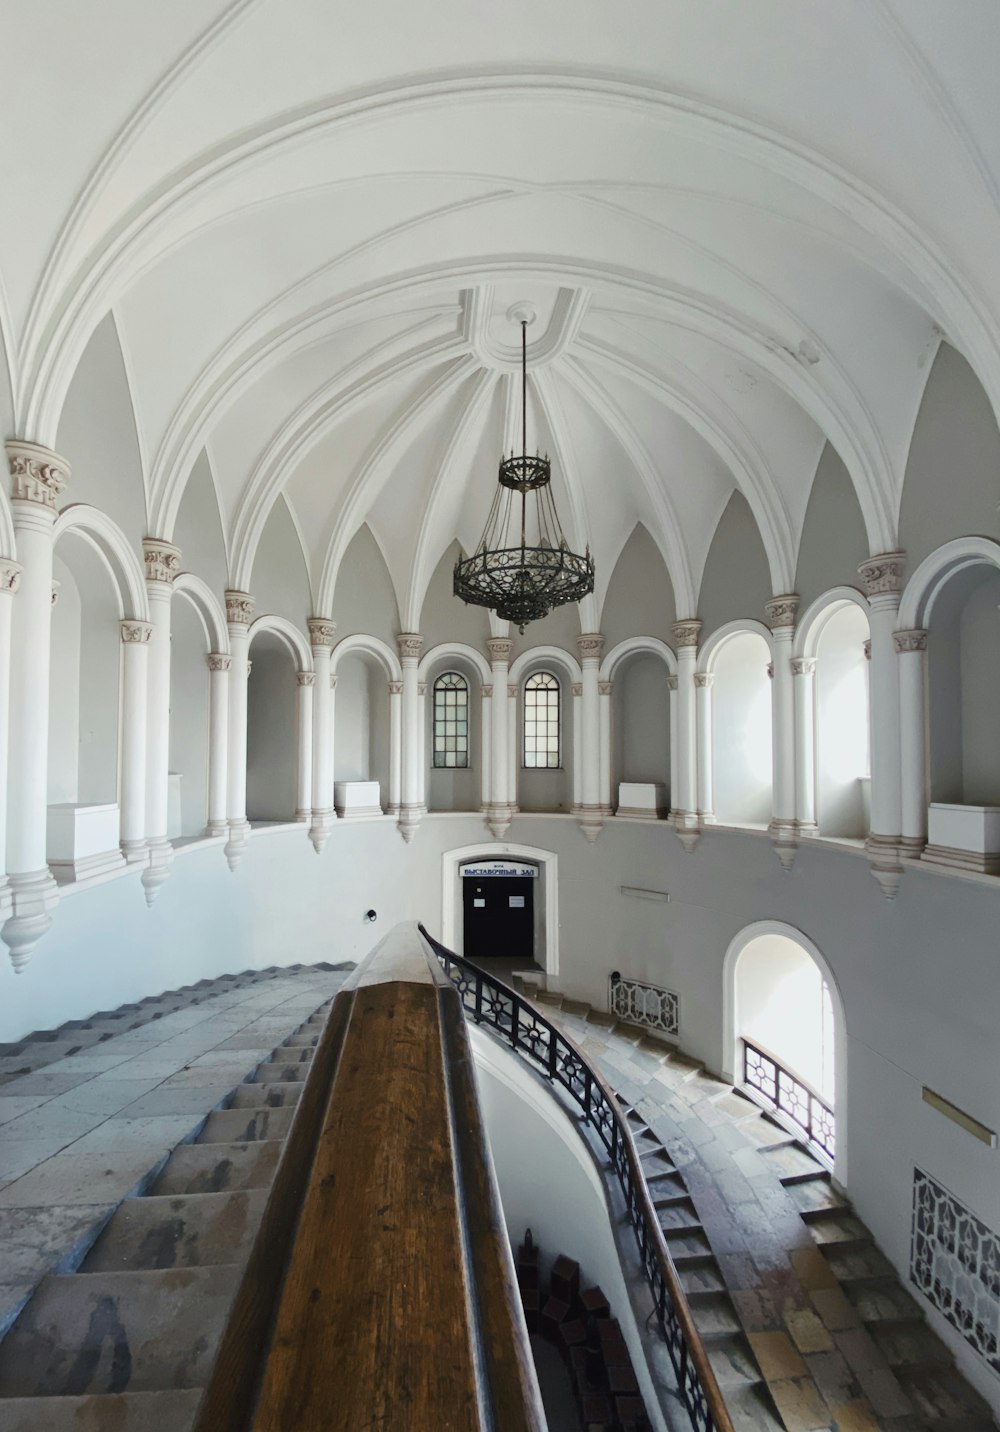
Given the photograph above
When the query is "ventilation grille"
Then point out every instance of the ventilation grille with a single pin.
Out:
(641, 1003)
(955, 1262)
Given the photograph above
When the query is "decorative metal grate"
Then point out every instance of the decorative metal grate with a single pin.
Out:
(780, 1088)
(642, 1003)
(488, 1001)
(955, 1262)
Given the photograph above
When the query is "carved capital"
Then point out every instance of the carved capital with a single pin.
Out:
(240, 607)
(883, 574)
(590, 647)
(135, 631)
(513, 692)
(333, 681)
(322, 631)
(499, 648)
(770, 670)
(421, 688)
(686, 633)
(218, 661)
(10, 575)
(913, 640)
(803, 665)
(37, 473)
(486, 690)
(604, 688)
(162, 559)
(305, 678)
(781, 611)
(395, 688)
(671, 683)
(577, 688)
(409, 644)
(704, 679)
(867, 649)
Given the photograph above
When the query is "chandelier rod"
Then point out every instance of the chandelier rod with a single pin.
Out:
(524, 420)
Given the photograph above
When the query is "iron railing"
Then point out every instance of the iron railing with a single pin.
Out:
(787, 1093)
(492, 1003)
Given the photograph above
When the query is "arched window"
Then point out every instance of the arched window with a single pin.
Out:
(451, 720)
(541, 721)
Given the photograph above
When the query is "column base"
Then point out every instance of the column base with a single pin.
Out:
(319, 830)
(32, 898)
(883, 853)
(784, 833)
(410, 817)
(304, 815)
(217, 827)
(157, 871)
(707, 817)
(498, 818)
(239, 836)
(134, 851)
(685, 823)
(912, 846)
(808, 829)
(591, 820)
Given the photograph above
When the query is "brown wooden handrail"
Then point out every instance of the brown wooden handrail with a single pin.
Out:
(380, 1290)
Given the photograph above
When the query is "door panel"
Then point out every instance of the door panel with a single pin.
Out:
(499, 921)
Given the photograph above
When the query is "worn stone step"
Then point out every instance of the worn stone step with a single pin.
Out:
(687, 1245)
(117, 1332)
(751, 1408)
(737, 1108)
(579, 1008)
(241, 1126)
(835, 1228)
(678, 1215)
(656, 1165)
(178, 1231)
(732, 1361)
(284, 1073)
(667, 1189)
(909, 1340)
(815, 1197)
(299, 1041)
(601, 1019)
(713, 1312)
(701, 1275)
(214, 1168)
(788, 1157)
(851, 1264)
(942, 1396)
(266, 1096)
(683, 1065)
(113, 1412)
(882, 1299)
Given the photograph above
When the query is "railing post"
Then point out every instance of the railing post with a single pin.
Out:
(478, 1015)
(513, 1023)
(553, 1051)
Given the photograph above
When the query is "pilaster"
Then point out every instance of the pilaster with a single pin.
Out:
(804, 703)
(322, 635)
(305, 684)
(684, 814)
(240, 608)
(410, 645)
(10, 580)
(503, 772)
(883, 579)
(911, 655)
(703, 683)
(163, 564)
(219, 666)
(781, 613)
(590, 649)
(135, 636)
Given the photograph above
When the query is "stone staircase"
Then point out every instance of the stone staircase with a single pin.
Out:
(806, 1323)
(125, 1343)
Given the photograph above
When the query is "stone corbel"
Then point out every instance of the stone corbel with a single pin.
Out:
(162, 559)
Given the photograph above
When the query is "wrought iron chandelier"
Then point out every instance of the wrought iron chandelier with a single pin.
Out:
(523, 567)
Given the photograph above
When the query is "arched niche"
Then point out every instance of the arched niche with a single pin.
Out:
(963, 673)
(830, 660)
(361, 720)
(640, 595)
(736, 789)
(271, 728)
(197, 627)
(639, 669)
(454, 789)
(551, 789)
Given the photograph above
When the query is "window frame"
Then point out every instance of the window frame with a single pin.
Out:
(530, 731)
(454, 684)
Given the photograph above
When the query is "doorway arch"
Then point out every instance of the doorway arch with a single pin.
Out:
(547, 943)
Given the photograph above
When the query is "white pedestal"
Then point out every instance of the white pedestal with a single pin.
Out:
(642, 800)
(354, 798)
(82, 840)
(965, 837)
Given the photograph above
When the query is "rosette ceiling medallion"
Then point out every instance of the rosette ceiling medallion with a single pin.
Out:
(523, 566)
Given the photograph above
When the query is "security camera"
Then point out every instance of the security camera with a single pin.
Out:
(371, 916)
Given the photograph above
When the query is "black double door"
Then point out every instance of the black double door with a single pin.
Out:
(499, 917)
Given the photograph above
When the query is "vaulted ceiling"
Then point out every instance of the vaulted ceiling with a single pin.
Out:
(744, 228)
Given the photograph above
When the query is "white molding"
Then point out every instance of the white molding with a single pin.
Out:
(369, 646)
(213, 619)
(708, 655)
(648, 645)
(445, 650)
(126, 570)
(811, 625)
(934, 573)
(542, 656)
(289, 634)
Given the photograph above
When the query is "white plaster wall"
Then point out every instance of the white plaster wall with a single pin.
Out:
(741, 732)
(363, 598)
(640, 596)
(842, 724)
(640, 723)
(198, 530)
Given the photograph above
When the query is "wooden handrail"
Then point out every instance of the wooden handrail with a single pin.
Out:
(380, 1290)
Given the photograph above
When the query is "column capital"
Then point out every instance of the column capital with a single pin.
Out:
(395, 688)
(604, 688)
(10, 575)
(333, 681)
(686, 633)
(409, 644)
(305, 678)
(781, 611)
(913, 640)
(219, 661)
(866, 647)
(704, 679)
(883, 574)
(803, 665)
(577, 688)
(770, 671)
(322, 631)
(37, 473)
(162, 559)
(499, 648)
(135, 631)
(590, 646)
(421, 688)
(486, 690)
(671, 683)
(513, 691)
(240, 607)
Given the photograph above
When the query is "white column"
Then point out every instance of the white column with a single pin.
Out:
(305, 682)
(685, 802)
(163, 562)
(604, 689)
(322, 634)
(395, 746)
(590, 648)
(422, 746)
(486, 744)
(513, 762)
(781, 619)
(672, 699)
(883, 578)
(409, 646)
(38, 476)
(703, 713)
(804, 700)
(239, 614)
(10, 579)
(577, 692)
(911, 650)
(218, 740)
(132, 823)
(502, 774)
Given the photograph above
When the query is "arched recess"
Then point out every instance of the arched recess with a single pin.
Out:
(555, 789)
(777, 983)
(366, 735)
(640, 735)
(460, 789)
(733, 692)
(830, 672)
(197, 628)
(546, 900)
(276, 755)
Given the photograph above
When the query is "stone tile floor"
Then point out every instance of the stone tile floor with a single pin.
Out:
(89, 1112)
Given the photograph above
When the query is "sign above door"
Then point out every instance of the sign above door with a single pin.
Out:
(487, 868)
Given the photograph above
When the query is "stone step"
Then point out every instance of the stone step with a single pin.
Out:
(732, 1362)
(713, 1312)
(656, 1166)
(299, 1041)
(814, 1197)
(789, 1157)
(577, 1007)
(850, 1265)
(687, 1245)
(242, 1126)
(602, 1020)
(909, 1340)
(266, 1096)
(834, 1229)
(680, 1215)
(284, 1073)
(178, 1231)
(117, 1332)
(943, 1397)
(751, 1408)
(215, 1168)
(701, 1275)
(667, 1189)
(122, 1412)
(882, 1299)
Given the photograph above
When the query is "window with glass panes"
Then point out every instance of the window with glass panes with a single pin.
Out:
(451, 720)
(541, 720)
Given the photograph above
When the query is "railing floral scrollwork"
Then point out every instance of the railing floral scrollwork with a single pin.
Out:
(490, 1002)
(785, 1092)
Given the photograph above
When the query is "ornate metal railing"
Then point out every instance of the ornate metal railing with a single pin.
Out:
(492, 1003)
(785, 1092)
